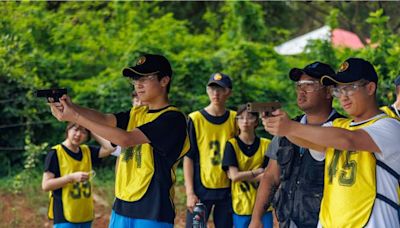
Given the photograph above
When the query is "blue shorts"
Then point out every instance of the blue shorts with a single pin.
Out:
(243, 221)
(117, 221)
(73, 225)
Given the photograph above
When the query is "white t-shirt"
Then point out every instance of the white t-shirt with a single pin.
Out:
(386, 135)
(117, 151)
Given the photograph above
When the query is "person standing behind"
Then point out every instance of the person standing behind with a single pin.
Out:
(244, 161)
(68, 170)
(154, 138)
(298, 172)
(394, 109)
(209, 130)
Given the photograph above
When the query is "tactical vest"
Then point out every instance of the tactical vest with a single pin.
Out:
(299, 195)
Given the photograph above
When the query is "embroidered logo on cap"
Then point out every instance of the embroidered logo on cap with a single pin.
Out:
(141, 60)
(343, 66)
(217, 76)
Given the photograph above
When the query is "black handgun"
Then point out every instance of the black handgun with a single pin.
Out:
(263, 107)
(53, 93)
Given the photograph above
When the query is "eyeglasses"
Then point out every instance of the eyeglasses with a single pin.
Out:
(216, 89)
(347, 90)
(143, 79)
(308, 86)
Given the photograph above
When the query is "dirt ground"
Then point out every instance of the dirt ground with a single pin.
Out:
(18, 211)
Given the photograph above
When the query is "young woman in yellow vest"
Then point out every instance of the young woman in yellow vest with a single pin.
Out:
(244, 162)
(153, 137)
(67, 175)
(209, 129)
(362, 163)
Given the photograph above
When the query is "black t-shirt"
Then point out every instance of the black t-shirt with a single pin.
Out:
(230, 158)
(167, 134)
(201, 191)
(52, 165)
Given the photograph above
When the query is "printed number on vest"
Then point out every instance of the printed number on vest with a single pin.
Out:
(347, 173)
(245, 186)
(134, 152)
(80, 190)
(216, 147)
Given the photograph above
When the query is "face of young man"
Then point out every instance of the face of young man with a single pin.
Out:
(150, 87)
(77, 135)
(217, 94)
(310, 93)
(354, 97)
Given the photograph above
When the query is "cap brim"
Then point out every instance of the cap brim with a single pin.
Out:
(295, 74)
(328, 80)
(134, 72)
(220, 83)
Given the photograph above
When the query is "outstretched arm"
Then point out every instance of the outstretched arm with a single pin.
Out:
(335, 137)
(67, 111)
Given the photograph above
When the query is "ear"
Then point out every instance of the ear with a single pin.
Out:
(164, 81)
(371, 88)
(328, 95)
(230, 92)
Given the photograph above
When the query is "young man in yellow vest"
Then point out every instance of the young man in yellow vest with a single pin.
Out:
(362, 162)
(298, 172)
(67, 174)
(209, 129)
(154, 137)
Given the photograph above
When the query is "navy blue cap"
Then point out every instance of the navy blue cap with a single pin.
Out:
(316, 70)
(397, 81)
(220, 79)
(147, 65)
(352, 70)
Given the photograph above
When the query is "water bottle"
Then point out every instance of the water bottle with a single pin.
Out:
(199, 216)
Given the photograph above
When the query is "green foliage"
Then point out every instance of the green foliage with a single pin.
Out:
(83, 46)
(33, 160)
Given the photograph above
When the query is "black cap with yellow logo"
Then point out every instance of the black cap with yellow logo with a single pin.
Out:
(220, 79)
(147, 65)
(351, 70)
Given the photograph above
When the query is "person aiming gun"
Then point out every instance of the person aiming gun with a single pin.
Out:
(154, 138)
(361, 176)
(297, 171)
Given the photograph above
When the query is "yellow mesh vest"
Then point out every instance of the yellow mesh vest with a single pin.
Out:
(136, 164)
(211, 139)
(389, 112)
(243, 192)
(77, 198)
(350, 184)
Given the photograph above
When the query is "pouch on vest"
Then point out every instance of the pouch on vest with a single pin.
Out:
(285, 156)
